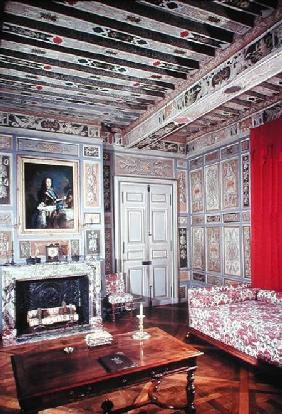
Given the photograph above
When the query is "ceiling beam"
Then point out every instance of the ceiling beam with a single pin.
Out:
(123, 27)
(234, 15)
(266, 3)
(249, 7)
(82, 81)
(81, 68)
(92, 56)
(172, 20)
(92, 39)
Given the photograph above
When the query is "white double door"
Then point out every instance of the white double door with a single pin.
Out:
(145, 221)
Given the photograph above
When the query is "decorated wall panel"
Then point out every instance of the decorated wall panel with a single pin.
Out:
(220, 232)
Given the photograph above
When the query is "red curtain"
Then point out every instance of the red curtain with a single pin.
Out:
(266, 196)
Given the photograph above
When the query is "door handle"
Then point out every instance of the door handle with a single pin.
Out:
(146, 262)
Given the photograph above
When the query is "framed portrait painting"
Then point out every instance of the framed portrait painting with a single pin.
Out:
(48, 199)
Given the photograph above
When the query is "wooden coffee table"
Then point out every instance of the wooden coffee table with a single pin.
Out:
(50, 377)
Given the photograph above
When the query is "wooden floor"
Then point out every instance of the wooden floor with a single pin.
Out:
(223, 384)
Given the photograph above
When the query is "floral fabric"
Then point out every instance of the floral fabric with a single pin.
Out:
(251, 326)
(270, 296)
(115, 289)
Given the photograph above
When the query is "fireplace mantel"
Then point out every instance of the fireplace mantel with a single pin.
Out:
(12, 274)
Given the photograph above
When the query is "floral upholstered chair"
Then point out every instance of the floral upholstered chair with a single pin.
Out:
(117, 297)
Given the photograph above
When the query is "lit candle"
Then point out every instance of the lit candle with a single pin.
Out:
(141, 309)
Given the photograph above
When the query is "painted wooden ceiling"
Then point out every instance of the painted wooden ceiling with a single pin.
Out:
(155, 71)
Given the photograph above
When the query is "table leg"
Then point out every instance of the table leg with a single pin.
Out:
(190, 392)
(107, 406)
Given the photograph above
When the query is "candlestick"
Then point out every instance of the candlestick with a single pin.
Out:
(141, 334)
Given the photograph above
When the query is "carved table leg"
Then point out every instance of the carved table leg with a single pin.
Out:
(107, 406)
(190, 391)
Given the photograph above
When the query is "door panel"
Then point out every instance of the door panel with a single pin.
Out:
(146, 236)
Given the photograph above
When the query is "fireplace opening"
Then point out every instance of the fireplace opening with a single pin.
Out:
(43, 305)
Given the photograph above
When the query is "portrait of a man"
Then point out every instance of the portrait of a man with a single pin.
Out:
(48, 194)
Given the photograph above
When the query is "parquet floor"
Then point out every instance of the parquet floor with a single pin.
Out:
(224, 385)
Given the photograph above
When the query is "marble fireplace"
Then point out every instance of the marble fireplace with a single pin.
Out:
(28, 288)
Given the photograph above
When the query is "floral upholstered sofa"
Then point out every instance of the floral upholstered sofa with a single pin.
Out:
(244, 321)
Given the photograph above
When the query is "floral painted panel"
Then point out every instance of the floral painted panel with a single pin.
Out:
(213, 249)
(232, 262)
(212, 187)
(182, 191)
(108, 251)
(5, 179)
(182, 239)
(91, 184)
(198, 248)
(246, 180)
(92, 242)
(247, 250)
(107, 188)
(6, 142)
(230, 173)
(197, 193)
(5, 246)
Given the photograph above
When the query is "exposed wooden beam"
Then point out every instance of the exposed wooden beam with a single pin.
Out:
(241, 102)
(94, 40)
(79, 80)
(172, 20)
(249, 7)
(81, 68)
(123, 27)
(234, 15)
(93, 56)
(266, 3)
(271, 86)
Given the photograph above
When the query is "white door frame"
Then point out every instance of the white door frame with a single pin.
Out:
(118, 180)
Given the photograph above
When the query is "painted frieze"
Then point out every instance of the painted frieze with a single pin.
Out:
(91, 184)
(182, 239)
(213, 249)
(197, 193)
(212, 187)
(182, 163)
(198, 248)
(232, 262)
(230, 194)
(181, 176)
(246, 180)
(5, 179)
(47, 147)
(17, 120)
(129, 165)
(247, 250)
(229, 151)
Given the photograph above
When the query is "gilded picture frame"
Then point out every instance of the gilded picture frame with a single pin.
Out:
(48, 196)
